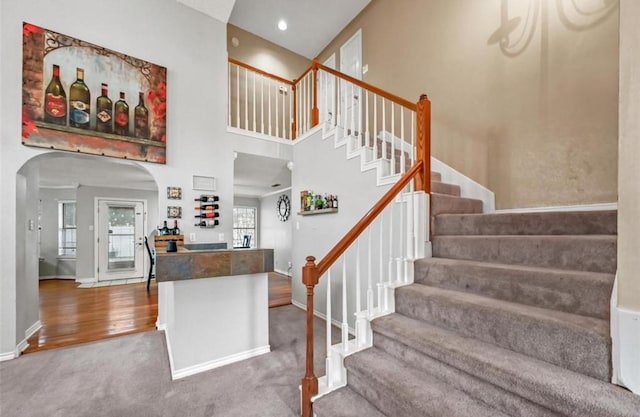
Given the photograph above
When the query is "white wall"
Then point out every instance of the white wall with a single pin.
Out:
(276, 234)
(50, 265)
(85, 218)
(193, 48)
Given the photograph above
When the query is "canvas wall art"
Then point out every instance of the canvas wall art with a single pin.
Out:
(80, 97)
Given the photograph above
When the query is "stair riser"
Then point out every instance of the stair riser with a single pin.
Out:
(560, 223)
(442, 203)
(444, 188)
(571, 292)
(551, 341)
(580, 253)
(503, 400)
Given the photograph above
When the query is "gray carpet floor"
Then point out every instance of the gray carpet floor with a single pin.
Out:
(129, 376)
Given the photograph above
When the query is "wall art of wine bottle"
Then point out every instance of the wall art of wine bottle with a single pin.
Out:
(207, 214)
(81, 97)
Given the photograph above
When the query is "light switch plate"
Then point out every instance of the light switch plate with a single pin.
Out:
(221, 237)
(192, 236)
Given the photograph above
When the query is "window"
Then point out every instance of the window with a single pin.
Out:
(244, 224)
(67, 228)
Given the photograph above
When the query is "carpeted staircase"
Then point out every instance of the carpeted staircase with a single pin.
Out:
(509, 318)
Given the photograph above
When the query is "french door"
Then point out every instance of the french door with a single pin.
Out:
(120, 239)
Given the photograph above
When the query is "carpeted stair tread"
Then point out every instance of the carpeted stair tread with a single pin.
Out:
(436, 176)
(596, 253)
(445, 188)
(344, 402)
(577, 292)
(577, 343)
(548, 223)
(399, 390)
(444, 203)
(564, 392)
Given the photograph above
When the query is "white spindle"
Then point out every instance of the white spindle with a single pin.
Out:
(338, 116)
(403, 158)
(328, 323)
(358, 278)
(284, 119)
(261, 104)
(375, 127)
(390, 244)
(384, 129)
(403, 237)
(246, 99)
(277, 99)
(345, 324)
(237, 96)
(289, 127)
(352, 100)
(366, 123)
(229, 92)
(381, 262)
(269, 99)
(392, 136)
(413, 159)
(254, 102)
(369, 277)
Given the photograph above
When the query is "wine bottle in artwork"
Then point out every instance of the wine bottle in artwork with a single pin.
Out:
(208, 207)
(55, 100)
(141, 118)
(208, 223)
(208, 198)
(79, 102)
(104, 111)
(121, 116)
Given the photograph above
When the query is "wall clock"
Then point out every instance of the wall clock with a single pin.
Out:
(284, 207)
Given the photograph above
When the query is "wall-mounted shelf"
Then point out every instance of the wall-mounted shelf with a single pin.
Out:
(318, 211)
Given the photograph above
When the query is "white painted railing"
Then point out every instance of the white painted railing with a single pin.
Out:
(259, 102)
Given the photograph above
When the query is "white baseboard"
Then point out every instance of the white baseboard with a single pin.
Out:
(625, 335)
(90, 280)
(216, 363)
(46, 277)
(579, 207)
(279, 271)
(323, 316)
(7, 356)
(32, 329)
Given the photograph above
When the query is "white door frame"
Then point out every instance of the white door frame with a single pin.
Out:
(96, 231)
(352, 102)
(328, 88)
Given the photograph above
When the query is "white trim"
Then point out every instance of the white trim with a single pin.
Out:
(7, 356)
(468, 187)
(216, 363)
(323, 316)
(260, 136)
(88, 280)
(46, 277)
(578, 207)
(308, 133)
(281, 272)
(625, 336)
(31, 330)
(270, 193)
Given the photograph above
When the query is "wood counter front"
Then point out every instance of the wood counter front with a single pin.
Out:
(194, 264)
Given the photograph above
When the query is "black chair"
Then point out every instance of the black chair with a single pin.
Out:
(151, 263)
(246, 242)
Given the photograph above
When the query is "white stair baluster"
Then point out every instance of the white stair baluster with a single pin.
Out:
(246, 99)
(345, 323)
(262, 104)
(366, 123)
(369, 277)
(277, 106)
(403, 159)
(254, 101)
(238, 96)
(375, 127)
(269, 102)
(393, 137)
(329, 341)
(384, 132)
(229, 92)
(390, 244)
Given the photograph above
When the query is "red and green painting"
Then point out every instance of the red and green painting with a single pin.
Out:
(80, 97)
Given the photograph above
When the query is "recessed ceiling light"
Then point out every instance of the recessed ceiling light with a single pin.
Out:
(282, 25)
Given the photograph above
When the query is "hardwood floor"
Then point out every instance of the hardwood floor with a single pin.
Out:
(72, 315)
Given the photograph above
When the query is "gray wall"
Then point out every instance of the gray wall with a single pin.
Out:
(85, 267)
(51, 266)
(276, 234)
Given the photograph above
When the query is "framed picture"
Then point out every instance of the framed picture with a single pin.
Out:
(174, 193)
(174, 212)
(81, 97)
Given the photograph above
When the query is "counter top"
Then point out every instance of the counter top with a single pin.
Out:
(188, 264)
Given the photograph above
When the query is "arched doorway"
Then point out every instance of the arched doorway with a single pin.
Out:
(58, 250)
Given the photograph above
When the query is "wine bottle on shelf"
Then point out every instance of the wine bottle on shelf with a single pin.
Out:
(335, 201)
(55, 100)
(208, 207)
(176, 229)
(165, 229)
(79, 102)
(207, 215)
(141, 118)
(104, 111)
(208, 223)
(121, 111)
(207, 198)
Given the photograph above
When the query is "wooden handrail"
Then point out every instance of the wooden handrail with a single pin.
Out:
(261, 72)
(382, 93)
(367, 219)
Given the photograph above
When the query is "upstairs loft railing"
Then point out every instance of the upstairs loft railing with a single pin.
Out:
(378, 252)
